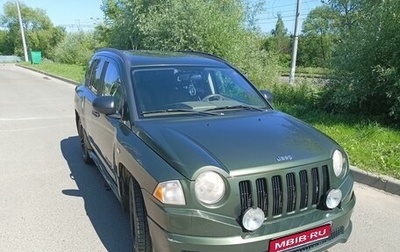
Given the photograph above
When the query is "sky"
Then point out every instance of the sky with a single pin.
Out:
(85, 14)
(72, 14)
(287, 8)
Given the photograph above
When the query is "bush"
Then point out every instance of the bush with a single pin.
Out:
(76, 48)
(368, 64)
(215, 27)
(304, 96)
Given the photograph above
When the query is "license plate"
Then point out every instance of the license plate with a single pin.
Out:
(300, 239)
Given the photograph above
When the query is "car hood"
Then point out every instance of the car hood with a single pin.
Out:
(238, 144)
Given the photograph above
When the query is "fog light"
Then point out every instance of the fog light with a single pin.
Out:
(253, 218)
(333, 198)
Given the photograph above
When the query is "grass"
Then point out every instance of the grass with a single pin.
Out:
(370, 145)
(72, 72)
(306, 71)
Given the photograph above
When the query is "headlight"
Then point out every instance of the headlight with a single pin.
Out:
(209, 187)
(338, 163)
(170, 192)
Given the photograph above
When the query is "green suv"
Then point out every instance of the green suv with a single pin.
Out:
(202, 161)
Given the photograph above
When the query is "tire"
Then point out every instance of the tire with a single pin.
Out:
(138, 219)
(84, 144)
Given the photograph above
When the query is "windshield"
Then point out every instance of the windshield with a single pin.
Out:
(178, 90)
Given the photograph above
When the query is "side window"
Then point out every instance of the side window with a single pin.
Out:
(93, 75)
(112, 81)
(89, 70)
(112, 84)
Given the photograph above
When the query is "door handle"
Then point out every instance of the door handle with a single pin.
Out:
(95, 113)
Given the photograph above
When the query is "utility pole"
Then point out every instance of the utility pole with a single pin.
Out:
(295, 42)
(22, 32)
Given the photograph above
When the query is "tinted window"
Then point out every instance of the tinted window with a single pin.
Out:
(194, 88)
(93, 75)
(231, 84)
(89, 71)
(112, 83)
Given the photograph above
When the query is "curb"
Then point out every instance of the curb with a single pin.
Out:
(48, 74)
(381, 182)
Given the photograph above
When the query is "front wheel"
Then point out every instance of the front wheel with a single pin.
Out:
(138, 219)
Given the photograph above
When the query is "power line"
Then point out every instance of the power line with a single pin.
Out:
(287, 16)
(269, 15)
(295, 3)
(274, 22)
(275, 8)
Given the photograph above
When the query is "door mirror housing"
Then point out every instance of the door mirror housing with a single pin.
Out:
(105, 105)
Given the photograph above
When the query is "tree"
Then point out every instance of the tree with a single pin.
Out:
(320, 35)
(367, 62)
(279, 43)
(347, 11)
(280, 29)
(39, 31)
(3, 43)
(123, 22)
(217, 27)
(76, 48)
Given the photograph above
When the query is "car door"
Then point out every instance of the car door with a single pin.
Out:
(105, 126)
(93, 85)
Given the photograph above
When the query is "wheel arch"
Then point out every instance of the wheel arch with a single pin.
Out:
(123, 185)
(133, 158)
(77, 118)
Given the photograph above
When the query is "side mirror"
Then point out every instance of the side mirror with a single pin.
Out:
(105, 105)
(267, 95)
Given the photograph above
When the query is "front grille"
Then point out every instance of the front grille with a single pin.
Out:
(277, 195)
(245, 195)
(285, 194)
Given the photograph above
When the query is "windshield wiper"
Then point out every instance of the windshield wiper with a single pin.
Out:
(236, 107)
(164, 111)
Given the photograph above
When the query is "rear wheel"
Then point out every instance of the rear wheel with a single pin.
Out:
(138, 219)
(84, 144)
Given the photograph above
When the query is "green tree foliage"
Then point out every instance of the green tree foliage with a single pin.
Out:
(348, 11)
(280, 29)
(368, 60)
(120, 26)
(76, 48)
(3, 42)
(194, 25)
(40, 33)
(279, 43)
(320, 35)
(217, 27)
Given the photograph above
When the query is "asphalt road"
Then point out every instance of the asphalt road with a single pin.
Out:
(51, 201)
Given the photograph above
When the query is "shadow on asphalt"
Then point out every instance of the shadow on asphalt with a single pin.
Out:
(101, 205)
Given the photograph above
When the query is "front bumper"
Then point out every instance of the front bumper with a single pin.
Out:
(339, 218)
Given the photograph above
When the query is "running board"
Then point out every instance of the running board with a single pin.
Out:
(105, 174)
